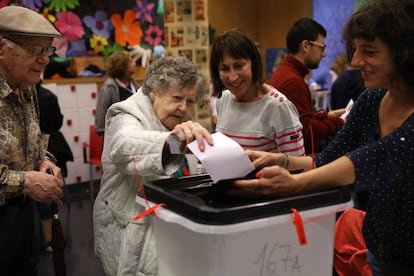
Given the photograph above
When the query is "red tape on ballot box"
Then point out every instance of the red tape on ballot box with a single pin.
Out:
(150, 209)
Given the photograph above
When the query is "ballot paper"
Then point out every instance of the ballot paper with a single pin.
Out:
(347, 109)
(225, 160)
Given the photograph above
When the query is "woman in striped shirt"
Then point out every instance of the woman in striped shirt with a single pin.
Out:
(254, 114)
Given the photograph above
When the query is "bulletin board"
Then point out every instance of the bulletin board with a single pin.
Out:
(186, 32)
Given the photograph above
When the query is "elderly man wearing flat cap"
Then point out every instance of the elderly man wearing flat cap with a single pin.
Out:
(25, 47)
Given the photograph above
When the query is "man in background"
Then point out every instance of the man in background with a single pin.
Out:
(305, 43)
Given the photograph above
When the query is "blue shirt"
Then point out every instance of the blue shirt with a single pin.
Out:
(379, 165)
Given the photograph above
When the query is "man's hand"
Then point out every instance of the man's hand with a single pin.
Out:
(44, 187)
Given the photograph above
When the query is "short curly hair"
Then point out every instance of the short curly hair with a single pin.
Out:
(166, 71)
(391, 21)
(118, 63)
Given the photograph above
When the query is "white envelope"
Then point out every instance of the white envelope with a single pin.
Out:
(347, 109)
(225, 160)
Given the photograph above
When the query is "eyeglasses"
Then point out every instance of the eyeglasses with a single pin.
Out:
(320, 45)
(34, 50)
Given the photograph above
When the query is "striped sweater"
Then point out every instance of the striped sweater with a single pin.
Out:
(270, 124)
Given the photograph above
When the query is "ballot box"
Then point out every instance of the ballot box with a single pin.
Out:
(217, 230)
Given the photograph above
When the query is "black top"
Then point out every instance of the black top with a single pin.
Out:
(51, 120)
(347, 86)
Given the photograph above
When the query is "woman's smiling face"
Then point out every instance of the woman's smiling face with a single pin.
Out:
(236, 75)
(374, 58)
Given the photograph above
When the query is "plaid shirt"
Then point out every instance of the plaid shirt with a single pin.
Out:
(22, 146)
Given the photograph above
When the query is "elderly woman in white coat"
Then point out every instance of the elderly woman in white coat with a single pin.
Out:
(137, 132)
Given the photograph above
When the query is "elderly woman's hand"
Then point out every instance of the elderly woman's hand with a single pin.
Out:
(190, 131)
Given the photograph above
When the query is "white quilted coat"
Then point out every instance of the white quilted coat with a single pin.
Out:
(132, 130)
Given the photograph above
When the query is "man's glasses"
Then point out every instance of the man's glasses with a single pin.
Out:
(320, 45)
(34, 50)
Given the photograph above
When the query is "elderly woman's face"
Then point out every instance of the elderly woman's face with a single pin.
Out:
(22, 67)
(173, 106)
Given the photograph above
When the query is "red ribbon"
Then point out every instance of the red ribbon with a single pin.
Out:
(150, 209)
(300, 229)
(299, 223)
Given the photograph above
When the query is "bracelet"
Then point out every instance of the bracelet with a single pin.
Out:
(285, 162)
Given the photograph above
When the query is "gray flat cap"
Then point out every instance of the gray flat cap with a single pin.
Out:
(23, 21)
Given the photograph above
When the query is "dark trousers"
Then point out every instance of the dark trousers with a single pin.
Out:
(19, 239)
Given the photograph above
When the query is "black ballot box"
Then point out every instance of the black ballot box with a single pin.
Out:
(217, 229)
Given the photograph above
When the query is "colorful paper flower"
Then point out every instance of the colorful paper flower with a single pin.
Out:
(48, 16)
(61, 45)
(33, 4)
(159, 51)
(127, 30)
(100, 24)
(62, 5)
(70, 25)
(160, 9)
(153, 35)
(98, 43)
(144, 11)
(4, 3)
(110, 49)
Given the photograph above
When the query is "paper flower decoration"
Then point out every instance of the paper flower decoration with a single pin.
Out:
(159, 51)
(127, 30)
(32, 4)
(100, 24)
(48, 16)
(4, 3)
(153, 35)
(61, 45)
(144, 11)
(70, 25)
(139, 52)
(62, 5)
(98, 43)
(160, 9)
(110, 49)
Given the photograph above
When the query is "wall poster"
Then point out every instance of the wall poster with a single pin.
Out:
(186, 33)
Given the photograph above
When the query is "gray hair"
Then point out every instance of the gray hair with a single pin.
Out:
(164, 72)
